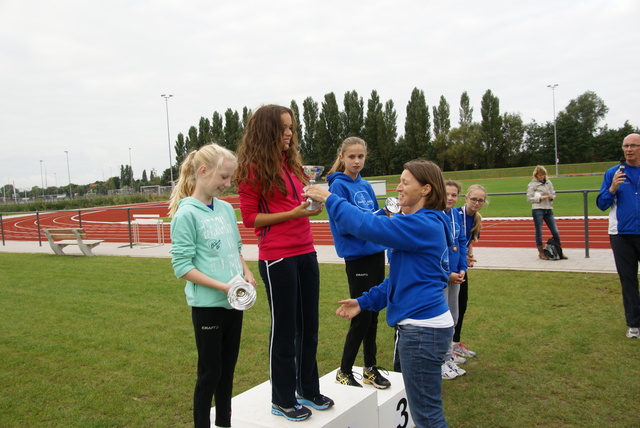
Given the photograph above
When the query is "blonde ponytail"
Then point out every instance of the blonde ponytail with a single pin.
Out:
(211, 155)
(477, 225)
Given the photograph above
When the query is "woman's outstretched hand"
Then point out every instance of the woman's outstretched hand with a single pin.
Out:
(349, 308)
(317, 193)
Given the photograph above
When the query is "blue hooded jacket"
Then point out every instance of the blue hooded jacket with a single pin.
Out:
(359, 193)
(457, 259)
(419, 259)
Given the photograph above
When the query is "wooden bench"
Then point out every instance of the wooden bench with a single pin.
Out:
(60, 238)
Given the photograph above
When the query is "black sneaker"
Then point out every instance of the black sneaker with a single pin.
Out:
(372, 376)
(319, 402)
(346, 379)
(295, 413)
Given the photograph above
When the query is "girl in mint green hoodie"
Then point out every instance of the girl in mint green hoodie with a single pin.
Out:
(206, 253)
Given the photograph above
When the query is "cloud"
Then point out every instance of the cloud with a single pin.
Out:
(87, 76)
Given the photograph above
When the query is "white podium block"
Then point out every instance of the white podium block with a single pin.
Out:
(393, 407)
(354, 408)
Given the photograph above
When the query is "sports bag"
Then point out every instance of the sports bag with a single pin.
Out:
(553, 250)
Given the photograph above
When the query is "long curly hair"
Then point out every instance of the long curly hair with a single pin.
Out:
(259, 153)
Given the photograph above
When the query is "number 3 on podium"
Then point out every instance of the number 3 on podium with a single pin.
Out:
(402, 407)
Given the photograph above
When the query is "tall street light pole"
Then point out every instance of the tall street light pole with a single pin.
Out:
(69, 174)
(555, 131)
(41, 179)
(166, 101)
(130, 170)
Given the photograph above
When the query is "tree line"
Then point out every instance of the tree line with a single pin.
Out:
(125, 180)
(497, 140)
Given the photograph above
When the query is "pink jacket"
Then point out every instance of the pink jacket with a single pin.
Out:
(287, 239)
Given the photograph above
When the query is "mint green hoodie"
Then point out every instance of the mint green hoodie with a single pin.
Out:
(209, 241)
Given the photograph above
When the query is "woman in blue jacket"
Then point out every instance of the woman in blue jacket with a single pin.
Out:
(419, 272)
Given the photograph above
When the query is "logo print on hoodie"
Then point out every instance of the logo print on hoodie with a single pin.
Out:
(362, 200)
(444, 261)
(215, 244)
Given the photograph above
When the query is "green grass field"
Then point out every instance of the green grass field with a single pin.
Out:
(108, 342)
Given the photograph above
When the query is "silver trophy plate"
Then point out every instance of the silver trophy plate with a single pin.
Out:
(392, 205)
(241, 295)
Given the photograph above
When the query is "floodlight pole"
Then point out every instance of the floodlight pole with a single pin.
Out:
(166, 100)
(41, 179)
(69, 174)
(130, 171)
(555, 131)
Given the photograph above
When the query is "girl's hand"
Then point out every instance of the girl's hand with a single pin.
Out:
(302, 211)
(470, 260)
(456, 277)
(248, 276)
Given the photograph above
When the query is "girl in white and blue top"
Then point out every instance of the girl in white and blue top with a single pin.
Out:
(475, 199)
(458, 263)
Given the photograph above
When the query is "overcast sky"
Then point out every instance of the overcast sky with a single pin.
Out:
(86, 76)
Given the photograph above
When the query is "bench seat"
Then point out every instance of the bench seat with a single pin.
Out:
(60, 238)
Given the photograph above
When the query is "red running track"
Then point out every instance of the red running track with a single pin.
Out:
(111, 224)
(520, 233)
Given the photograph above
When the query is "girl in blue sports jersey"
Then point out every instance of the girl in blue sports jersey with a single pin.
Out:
(458, 263)
(364, 262)
(475, 199)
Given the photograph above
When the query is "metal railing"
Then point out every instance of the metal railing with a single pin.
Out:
(79, 211)
(585, 209)
(584, 192)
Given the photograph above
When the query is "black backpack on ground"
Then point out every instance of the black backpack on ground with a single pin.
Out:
(553, 250)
